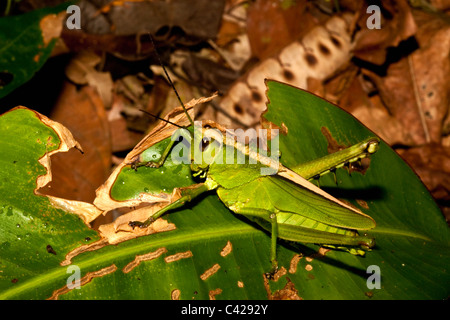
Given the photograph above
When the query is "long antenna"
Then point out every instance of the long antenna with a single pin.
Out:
(162, 119)
(170, 80)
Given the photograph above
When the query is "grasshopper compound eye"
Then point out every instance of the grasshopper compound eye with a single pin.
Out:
(204, 144)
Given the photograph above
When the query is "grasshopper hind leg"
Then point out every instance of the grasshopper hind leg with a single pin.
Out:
(273, 245)
(269, 216)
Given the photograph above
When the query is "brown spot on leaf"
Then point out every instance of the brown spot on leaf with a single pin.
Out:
(294, 262)
(205, 275)
(51, 26)
(360, 166)
(333, 145)
(84, 248)
(178, 256)
(362, 203)
(37, 57)
(50, 249)
(284, 129)
(280, 272)
(86, 279)
(349, 204)
(289, 292)
(175, 294)
(227, 249)
(269, 126)
(323, 251)
(145, 257)
(214, 293)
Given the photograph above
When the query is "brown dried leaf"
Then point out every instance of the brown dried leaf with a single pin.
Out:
(86, 211)
(80, 65)
(114, 236)
(289, 292)
(81, 70)
(431, 163)
(416, 92)
(199, 19)
(67, 142)
(51, 26)
(122, 138)
(432, 79)
(321, 52)
(76, 175)
(397, 93)
(440, 4)
(271, 25)
(397, 24)
(375, 116)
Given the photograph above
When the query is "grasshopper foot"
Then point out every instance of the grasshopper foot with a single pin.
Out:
(135, 165)
(271, 275)
(134, 224)
(152, 164)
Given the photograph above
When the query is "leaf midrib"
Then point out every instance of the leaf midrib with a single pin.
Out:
(139, 247)
(198, 235)
(399, 233)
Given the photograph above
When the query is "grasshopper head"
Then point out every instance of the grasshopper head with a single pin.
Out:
(208, 145)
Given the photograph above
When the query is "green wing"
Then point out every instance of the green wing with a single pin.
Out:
(302, 215)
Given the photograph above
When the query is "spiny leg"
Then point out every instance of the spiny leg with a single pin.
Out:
(343, 158)
(188, 195)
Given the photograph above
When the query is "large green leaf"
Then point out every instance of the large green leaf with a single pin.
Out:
(412, 250)
(23, 50)
(411, 234)
(33, 235)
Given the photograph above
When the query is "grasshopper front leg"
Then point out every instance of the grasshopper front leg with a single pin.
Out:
(187, 195)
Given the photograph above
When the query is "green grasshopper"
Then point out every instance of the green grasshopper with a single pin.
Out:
(283, 201)
(257, 186)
